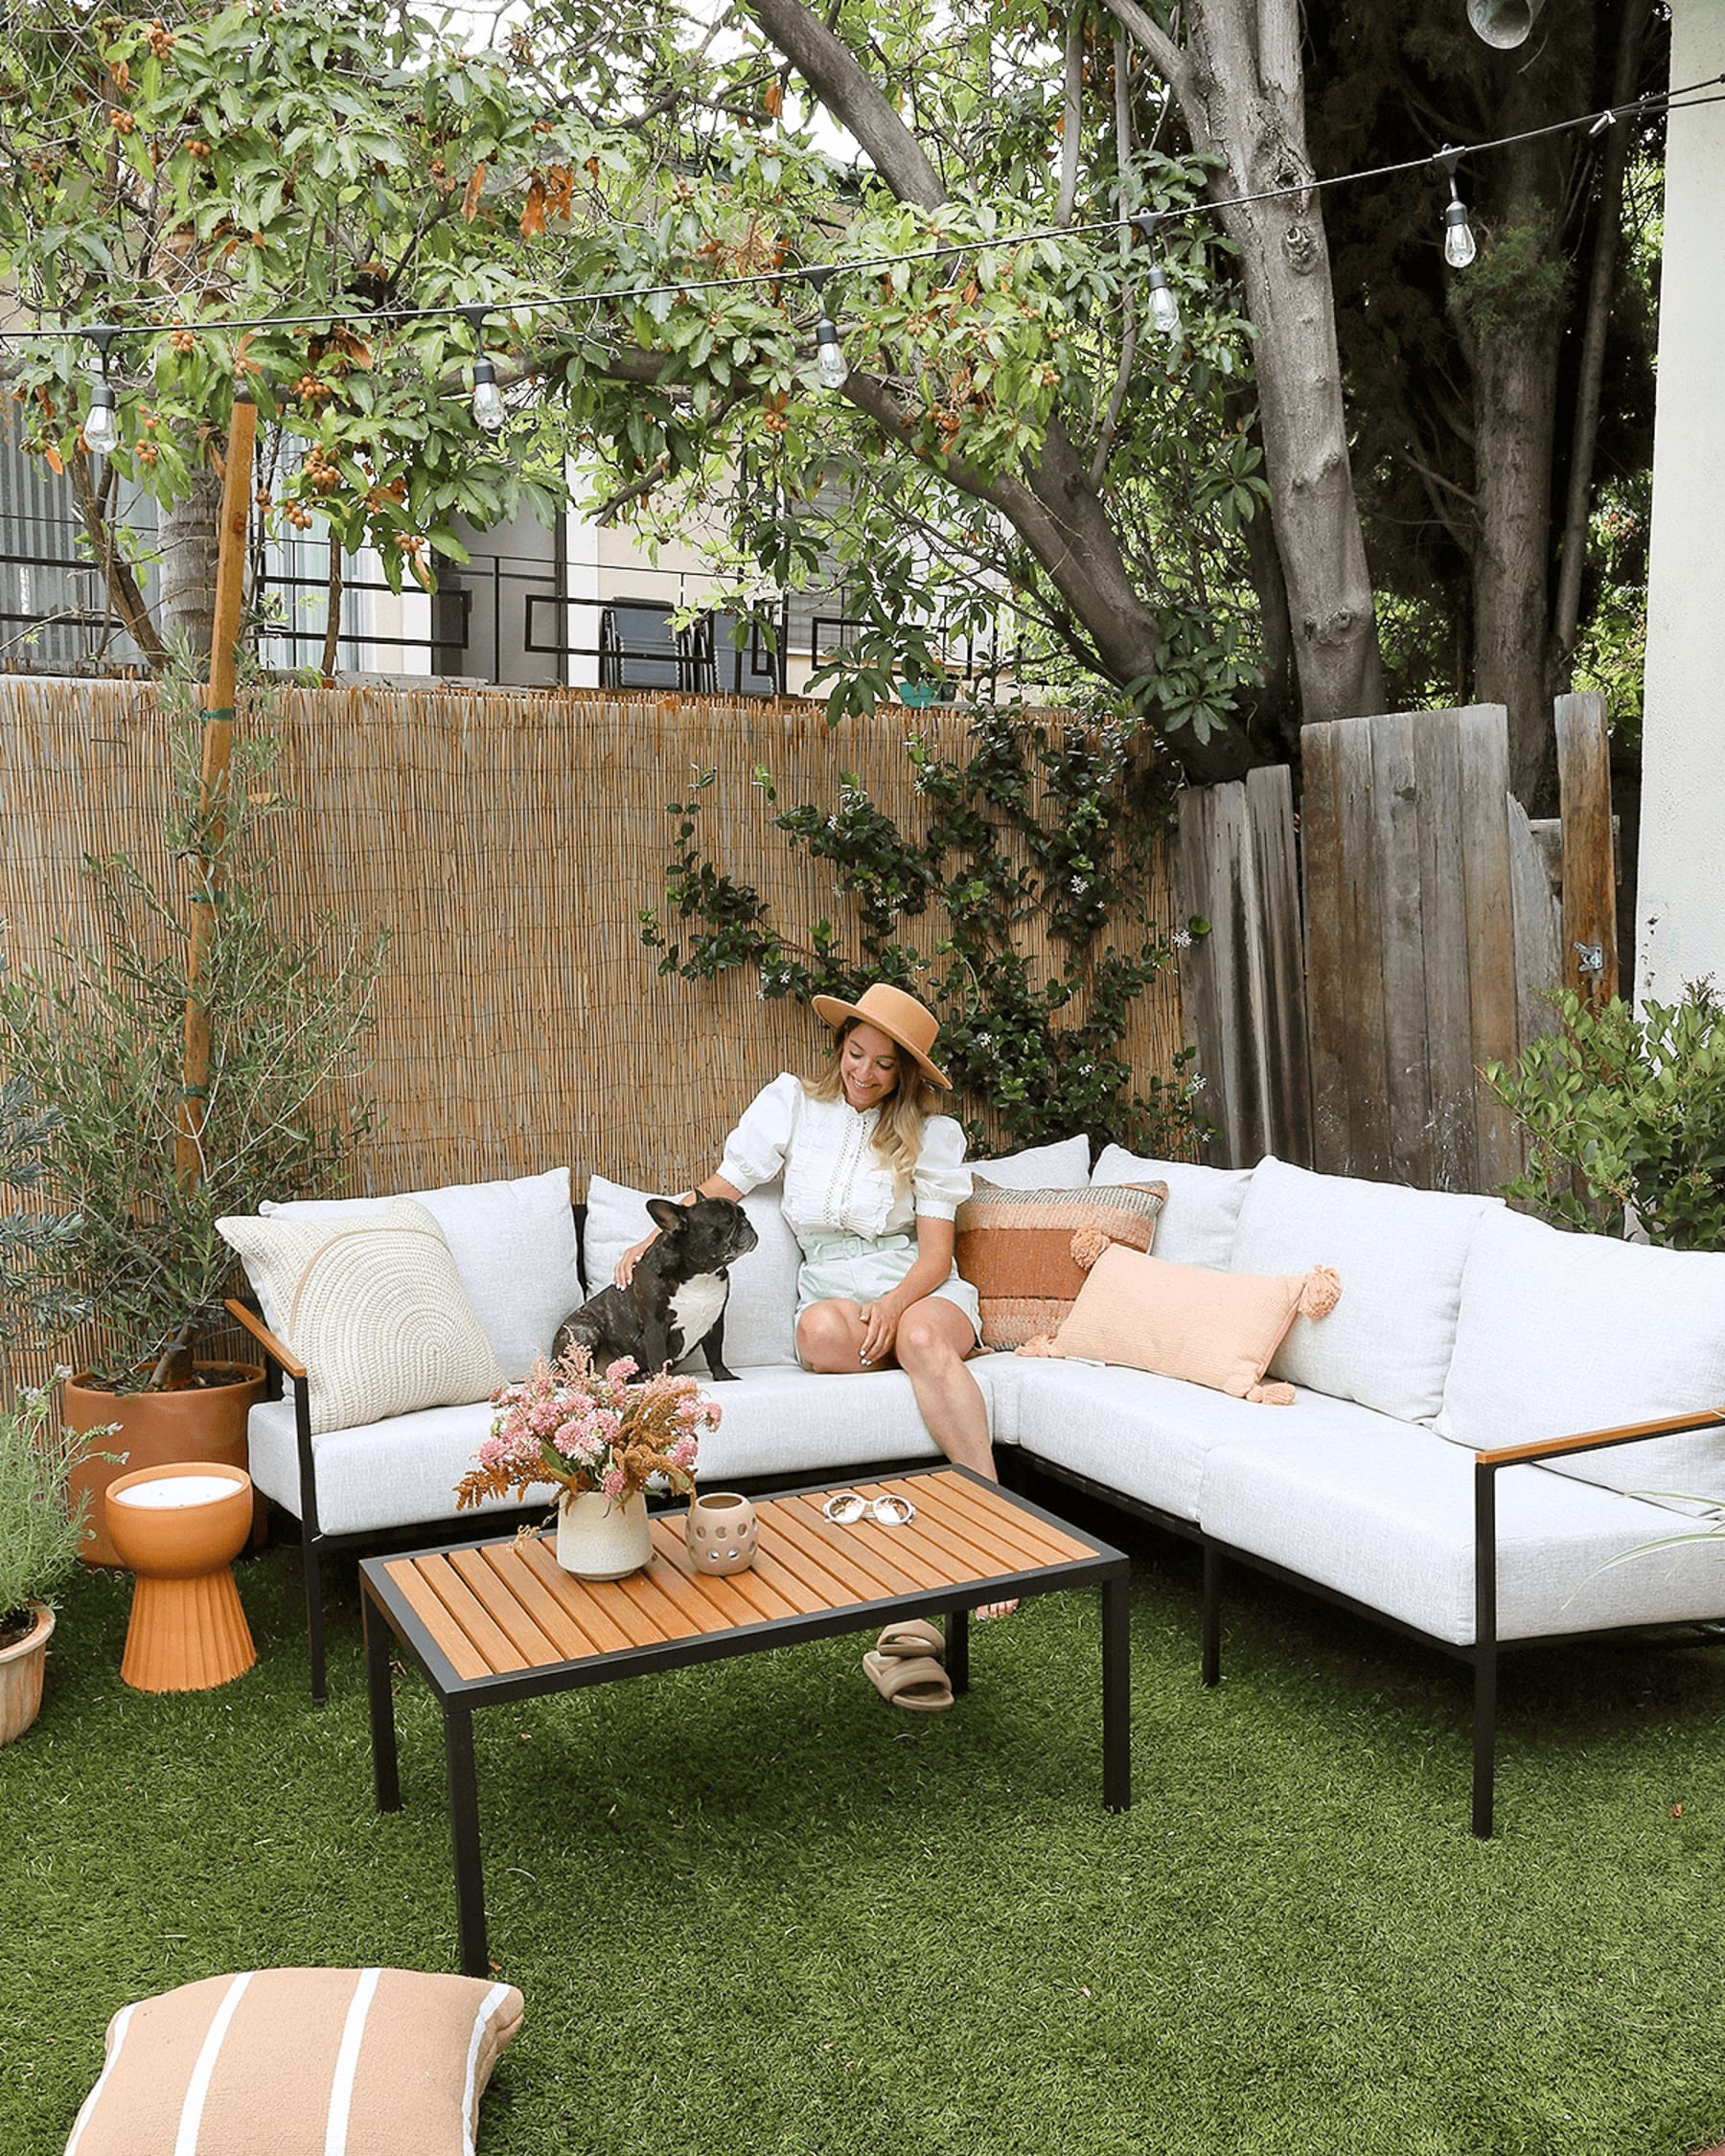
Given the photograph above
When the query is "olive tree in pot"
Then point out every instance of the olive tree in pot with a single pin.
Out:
(147, 1156)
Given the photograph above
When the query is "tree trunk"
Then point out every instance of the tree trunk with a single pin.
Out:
(1515, 375)
(1245, 99)
(190, 534)
(1514, 327)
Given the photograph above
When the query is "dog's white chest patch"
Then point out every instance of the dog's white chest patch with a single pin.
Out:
(696, 1303)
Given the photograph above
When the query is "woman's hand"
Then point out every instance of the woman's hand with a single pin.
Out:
(880, 1327)
(633, 1257)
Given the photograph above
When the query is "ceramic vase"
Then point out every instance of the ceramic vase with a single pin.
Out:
(21, 1676)
(600, 1537)
(722, 1532)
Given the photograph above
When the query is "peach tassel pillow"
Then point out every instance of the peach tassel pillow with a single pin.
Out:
(1218, 1329)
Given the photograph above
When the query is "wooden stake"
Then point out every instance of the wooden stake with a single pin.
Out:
(217, 747)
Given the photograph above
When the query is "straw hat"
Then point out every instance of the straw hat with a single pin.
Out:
(900, 1017)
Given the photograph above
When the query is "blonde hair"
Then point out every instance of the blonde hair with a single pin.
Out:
(898, 1129)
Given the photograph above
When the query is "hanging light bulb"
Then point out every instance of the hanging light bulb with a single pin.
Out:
(490, 411)
(1164, 307)
(1458, 244)
(830, 362)
(101, 425)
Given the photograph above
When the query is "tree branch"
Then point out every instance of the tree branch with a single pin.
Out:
(1170, 62)
(1070, 118)
(127, 599)
(852, 96)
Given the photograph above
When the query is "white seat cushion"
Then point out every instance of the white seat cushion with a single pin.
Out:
(1197, 1223)
(1400, 1253)
(513, 1247)
(784, 1422)
(760, 1319)
(1148, 1437)
(389, 1474)
(774, 1422)
(1387, 1517)
(1563, 1333)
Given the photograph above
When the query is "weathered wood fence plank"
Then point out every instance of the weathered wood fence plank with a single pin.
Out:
(1242, 983)
(1455, 1146)
(1590, 952)
(1491, 988)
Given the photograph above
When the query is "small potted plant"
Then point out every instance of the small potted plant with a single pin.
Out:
(602, 1441)
(144, 1158)
(39, 1534)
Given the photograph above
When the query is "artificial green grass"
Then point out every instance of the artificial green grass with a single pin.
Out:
(753, 1908)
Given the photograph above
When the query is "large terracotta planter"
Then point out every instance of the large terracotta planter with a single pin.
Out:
(21, 1676)
(157, 1430)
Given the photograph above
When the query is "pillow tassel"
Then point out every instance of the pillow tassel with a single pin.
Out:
(1274, 1394)
(1320, 1296)
(1040, 1343)
(1088, 1244)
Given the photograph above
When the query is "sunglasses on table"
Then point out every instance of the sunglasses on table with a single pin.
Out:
(845, 1508)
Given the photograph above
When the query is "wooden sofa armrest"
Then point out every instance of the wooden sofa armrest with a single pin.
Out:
(267, 1340)
(1594, 1440)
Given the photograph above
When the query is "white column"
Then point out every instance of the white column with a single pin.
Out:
(1681, 891)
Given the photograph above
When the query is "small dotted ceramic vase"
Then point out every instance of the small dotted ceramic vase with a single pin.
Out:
(721, 1532)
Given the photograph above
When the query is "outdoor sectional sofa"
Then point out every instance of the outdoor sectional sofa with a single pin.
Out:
(1428, 1475)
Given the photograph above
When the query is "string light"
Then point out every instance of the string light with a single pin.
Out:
(102, 432)
(490, 412)
(1459, 247)
(100, 427)
(1164, 307)
(830, 362)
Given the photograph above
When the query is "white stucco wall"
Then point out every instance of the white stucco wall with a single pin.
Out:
(1681, 894)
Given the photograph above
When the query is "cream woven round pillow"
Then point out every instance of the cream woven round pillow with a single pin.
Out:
(374, 1308)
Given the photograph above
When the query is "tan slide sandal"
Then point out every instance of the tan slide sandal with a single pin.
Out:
(908, 1636)
(918, 1684)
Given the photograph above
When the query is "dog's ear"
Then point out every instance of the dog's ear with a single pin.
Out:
(667, 1214)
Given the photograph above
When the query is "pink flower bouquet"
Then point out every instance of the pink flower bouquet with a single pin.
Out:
(590, 1430)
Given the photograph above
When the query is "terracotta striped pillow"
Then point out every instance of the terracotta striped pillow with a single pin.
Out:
(300, 2062)
(1015, 1247)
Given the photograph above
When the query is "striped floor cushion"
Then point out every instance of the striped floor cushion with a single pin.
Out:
(300, 2062)
(1015, 1247)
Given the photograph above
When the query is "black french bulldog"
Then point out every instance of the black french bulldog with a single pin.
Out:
(676, 1298)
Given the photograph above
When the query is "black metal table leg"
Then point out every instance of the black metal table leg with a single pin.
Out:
(385, 1776)
(463, 1828)
(958, 1651)
(1116, 1694)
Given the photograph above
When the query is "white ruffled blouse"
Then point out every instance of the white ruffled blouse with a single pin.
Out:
(835, 1182)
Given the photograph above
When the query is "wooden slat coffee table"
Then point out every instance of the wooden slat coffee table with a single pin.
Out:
(490, 1621)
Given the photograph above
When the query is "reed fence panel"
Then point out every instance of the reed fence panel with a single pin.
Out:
(507, 841)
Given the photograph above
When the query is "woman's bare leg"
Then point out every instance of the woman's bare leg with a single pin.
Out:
(935, 1337)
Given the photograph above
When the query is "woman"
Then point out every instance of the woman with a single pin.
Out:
(873, 1180)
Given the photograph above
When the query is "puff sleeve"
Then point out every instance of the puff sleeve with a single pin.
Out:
(754, 1152)
(942, 1182)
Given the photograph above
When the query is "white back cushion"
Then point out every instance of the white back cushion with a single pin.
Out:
(760, 1319)
(513, 1247)
(1399, 1252)
(1064, 1165)
(1563, 1333)
(1197, 1223)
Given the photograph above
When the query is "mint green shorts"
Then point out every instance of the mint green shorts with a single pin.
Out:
(862, 1267)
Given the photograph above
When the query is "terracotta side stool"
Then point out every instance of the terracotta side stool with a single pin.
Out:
(179, 1528)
